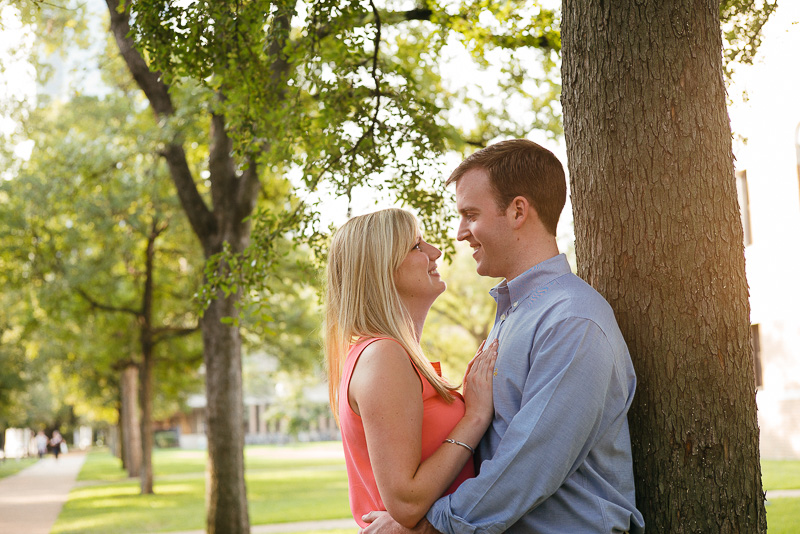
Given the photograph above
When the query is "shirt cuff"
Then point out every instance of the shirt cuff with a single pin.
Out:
(442, 518)
(439, 515)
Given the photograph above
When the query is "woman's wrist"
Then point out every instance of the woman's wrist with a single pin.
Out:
(460, 444)
(476, 419)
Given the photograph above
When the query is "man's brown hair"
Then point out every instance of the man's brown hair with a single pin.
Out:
(519, 167)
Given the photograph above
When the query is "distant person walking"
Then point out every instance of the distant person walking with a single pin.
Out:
(41, 444)
(55, 443)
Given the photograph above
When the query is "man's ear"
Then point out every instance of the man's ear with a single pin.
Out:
(520, 211)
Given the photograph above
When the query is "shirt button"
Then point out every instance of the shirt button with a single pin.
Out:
(503, 317)
(516, 303)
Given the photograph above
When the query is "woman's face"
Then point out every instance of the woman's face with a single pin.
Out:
(417, 278)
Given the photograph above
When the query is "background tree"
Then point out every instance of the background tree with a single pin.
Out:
(17, 371)
(658, 233)
(95, 214)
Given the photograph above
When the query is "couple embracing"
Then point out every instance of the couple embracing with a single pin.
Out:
(538, 441)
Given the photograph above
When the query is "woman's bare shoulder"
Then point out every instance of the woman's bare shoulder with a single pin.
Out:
(384, 354)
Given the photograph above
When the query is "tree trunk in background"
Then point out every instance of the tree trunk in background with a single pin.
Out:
(129, 425)
(658, 234)
(225, 489)
(147, 343)
(146, 400)
(113, 439)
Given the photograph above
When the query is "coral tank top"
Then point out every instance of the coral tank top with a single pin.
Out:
(438, 419)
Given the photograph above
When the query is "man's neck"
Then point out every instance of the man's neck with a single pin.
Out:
(538, 251)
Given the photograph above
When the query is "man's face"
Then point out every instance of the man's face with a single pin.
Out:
(483, 226)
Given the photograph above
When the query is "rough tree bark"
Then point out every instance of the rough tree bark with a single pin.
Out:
(658, 233)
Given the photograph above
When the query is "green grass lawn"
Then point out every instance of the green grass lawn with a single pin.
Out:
(9, 466)
(294, 483)
(783, 514)
(780, 474)
(298, 483)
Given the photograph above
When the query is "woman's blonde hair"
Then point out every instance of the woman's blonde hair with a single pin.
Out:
(362, 300)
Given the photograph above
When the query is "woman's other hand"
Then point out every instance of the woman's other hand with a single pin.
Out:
(478, 380)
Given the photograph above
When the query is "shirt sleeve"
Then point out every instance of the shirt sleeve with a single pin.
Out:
(558, 421)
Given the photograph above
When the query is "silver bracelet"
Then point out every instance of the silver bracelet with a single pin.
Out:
(454, 442)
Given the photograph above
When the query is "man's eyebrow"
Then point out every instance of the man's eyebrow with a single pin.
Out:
(467, 209)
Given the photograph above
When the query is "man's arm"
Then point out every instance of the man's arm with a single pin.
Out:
(382, 522)
(561, 409)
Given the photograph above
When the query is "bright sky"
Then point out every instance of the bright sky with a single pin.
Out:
(17, 81)
(772, 83)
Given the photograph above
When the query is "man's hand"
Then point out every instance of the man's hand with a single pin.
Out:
(382, 523)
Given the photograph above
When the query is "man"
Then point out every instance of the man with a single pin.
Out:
(557, 456)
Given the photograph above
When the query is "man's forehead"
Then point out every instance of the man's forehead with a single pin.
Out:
(469, 194)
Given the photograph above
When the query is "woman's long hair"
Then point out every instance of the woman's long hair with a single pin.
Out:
(362, 300)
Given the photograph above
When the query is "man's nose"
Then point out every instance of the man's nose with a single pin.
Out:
(462, 233)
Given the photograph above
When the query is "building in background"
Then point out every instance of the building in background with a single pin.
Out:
(279, 407)
(765, 119)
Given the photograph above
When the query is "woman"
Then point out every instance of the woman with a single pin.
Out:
(408, 437)
(55, 442)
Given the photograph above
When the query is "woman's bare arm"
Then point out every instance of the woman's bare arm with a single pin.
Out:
(385, 391)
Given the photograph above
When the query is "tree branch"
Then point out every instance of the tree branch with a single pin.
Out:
(220, 164)
(417, 14)
(544, 42)
(155, 90)
(107, 307)
(157, 93)
(200, 217)
(168, 332)
(249, 187)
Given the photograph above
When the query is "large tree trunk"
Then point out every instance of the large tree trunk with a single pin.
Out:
(658, 233)
(226, 496)
(129, 424)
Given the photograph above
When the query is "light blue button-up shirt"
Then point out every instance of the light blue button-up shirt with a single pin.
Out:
(557, 458)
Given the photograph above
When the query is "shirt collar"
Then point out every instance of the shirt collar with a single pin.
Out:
(540, 274)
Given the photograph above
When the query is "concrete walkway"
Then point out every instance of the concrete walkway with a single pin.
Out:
(31, 500)
(782, 494)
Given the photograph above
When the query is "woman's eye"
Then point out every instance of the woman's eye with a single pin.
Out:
(417, 247)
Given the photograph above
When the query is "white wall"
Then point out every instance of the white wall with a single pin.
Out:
(765, 129)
